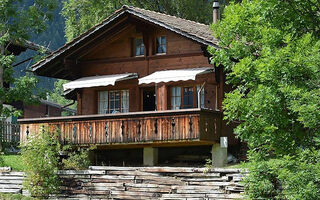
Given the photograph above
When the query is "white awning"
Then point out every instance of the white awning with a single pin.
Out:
(96, 81)
(174, 75)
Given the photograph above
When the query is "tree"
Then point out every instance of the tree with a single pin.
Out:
(83, 14)
(57, 95)
(18, 21)
(270, 51)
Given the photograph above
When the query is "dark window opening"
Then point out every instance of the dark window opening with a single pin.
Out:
(149, 99)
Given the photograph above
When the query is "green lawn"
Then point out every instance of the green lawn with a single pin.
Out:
(13, 161)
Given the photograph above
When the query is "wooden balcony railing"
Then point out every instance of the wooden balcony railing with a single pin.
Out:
(124, 128)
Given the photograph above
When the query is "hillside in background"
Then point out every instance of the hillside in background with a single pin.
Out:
(53, 38)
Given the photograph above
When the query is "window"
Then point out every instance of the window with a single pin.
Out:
(103, 102)
(175, 98)
(188, 97)
(113, 101)
(201, 96)
(183, 97)
(139, 47)
(161, 45)
(125, 101)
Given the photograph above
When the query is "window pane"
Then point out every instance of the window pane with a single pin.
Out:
(103, 102)
(201, 96)
(163, 40)
(125, 101)
(161, 45)
(139, 47)
(175, 98)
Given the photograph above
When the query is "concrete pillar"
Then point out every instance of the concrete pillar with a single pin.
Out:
(150, 156)
(219, 153)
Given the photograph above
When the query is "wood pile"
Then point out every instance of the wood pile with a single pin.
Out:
(100, 182)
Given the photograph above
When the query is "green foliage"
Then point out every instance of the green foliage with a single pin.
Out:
(57, 94)
(40, 155)
(18, 21)
(14, 197)
(271, 57)
(289, 177)
(77, 160)
(83, 14)
(270, 53)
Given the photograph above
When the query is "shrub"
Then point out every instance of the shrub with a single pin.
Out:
(40, 155)
(289, 177)
(77, 160)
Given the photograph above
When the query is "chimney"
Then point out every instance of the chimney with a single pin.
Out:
(216, 12)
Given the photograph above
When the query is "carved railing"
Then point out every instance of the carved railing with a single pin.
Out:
(139, 127)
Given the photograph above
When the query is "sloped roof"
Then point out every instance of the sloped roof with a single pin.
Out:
(193, 30)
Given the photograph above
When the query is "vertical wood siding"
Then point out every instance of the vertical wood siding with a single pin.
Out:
(131, 129)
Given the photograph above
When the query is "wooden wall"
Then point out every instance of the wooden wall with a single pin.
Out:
(114, 55)
(36, 111)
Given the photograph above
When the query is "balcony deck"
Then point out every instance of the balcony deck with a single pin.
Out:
(163, 128)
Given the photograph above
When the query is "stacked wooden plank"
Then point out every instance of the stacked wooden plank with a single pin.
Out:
(101, 182)
(11, 182)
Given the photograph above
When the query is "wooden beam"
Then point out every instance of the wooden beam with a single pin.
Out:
(151, 57)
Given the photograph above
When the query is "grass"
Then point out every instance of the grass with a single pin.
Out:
(13, 161)
(14, 197)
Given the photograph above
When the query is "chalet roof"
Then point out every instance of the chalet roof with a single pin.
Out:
(193, 30)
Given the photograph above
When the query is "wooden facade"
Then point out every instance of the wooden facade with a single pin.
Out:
(110, 49)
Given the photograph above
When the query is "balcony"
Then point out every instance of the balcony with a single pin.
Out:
(163, 128)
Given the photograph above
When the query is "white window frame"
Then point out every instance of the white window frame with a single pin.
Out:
(105, 101)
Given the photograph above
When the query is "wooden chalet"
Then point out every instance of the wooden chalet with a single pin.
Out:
(145, 88)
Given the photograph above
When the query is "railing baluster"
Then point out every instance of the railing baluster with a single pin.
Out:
(27, 132)
(156, 126)
(74, 130)
(173, 124)
(90, 132)
(122, 127)
(190, 126)
(139, 130)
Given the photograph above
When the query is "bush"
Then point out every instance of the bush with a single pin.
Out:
(77, 160)
(40, 155)
(289, 177)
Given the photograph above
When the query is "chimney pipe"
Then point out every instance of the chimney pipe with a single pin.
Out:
(216, 12)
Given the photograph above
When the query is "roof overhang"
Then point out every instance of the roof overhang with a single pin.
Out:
(174, 75)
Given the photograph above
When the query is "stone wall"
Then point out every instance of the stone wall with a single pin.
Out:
(100, 182)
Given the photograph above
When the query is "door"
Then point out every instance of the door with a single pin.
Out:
(149, 101)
